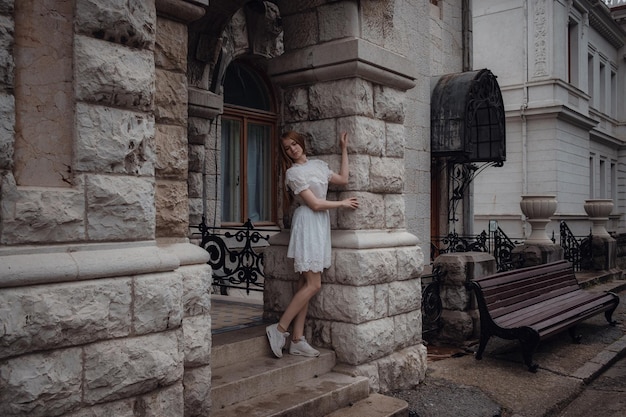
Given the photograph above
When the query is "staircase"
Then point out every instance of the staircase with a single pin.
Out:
(247, 380)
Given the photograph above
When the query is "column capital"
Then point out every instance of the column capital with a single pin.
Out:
(345, 58)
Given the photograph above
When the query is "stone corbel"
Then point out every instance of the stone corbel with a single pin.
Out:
(205, 104)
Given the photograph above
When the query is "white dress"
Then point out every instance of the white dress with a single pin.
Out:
(309, 244)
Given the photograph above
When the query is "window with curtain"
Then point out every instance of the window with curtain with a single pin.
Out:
(247, 151)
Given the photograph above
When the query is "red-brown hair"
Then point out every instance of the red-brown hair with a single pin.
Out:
(286, 161)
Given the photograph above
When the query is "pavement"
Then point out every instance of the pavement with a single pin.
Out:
(457, 384)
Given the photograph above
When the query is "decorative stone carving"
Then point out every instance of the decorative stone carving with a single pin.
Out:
(598, 211)
(538, 209)
(264, 28)
(540, 39)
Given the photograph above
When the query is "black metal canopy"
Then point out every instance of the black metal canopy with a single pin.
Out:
(467, 118)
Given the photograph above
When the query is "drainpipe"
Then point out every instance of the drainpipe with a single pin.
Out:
(466, 54)
(523, 108)
(466, 27)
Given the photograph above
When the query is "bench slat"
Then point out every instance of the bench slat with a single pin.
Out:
(546, 311)
(516, 301)
(553, 297)
(500, 277)
(514, 282)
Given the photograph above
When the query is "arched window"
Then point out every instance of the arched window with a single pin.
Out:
(248, 151)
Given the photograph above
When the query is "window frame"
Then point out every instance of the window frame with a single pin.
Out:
(246, 115)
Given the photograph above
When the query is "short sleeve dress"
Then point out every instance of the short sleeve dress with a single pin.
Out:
(309, 243)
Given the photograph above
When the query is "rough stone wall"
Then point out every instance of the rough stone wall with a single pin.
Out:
(7, 100)
(97, 318)
(112, 168)
(171, 129)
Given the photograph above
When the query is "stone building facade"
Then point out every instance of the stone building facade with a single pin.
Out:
(111, 138)
(560, 65)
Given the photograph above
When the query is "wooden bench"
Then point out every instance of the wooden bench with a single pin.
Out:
(534, 303)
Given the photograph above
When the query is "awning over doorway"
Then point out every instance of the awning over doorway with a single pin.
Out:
(467, 118)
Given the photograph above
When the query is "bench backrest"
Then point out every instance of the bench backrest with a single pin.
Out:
(509, 291)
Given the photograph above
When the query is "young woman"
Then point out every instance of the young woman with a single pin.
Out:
(309, 244)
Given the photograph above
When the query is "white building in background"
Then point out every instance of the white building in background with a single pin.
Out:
(562, 72)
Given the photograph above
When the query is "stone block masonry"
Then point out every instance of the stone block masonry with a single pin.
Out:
(97, 317)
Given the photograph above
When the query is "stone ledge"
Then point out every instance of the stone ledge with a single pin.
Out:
(187, 253)
(32, 265)
(346, 58)
(179, 10)
(359, 239)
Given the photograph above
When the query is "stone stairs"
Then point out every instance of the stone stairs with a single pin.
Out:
(247, 380)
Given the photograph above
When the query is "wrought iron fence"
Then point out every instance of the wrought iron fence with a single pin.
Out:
(576, 249)
(235, 257)
(496, 243)
(453, 242)
(503, 252)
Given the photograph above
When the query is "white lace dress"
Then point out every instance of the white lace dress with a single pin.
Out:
(309, 244)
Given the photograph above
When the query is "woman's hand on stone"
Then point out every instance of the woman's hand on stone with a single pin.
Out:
(351, 203)
(343, 141)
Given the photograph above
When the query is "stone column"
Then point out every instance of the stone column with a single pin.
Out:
(90, 304)
(179, 172)
(368, 310)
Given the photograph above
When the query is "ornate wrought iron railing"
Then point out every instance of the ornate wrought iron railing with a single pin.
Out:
(235, 256)
(577, 250)
(496, 243)
(503, 252)
(453, 242)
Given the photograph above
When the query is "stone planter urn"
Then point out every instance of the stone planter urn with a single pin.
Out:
(598, 210)
(538, 208)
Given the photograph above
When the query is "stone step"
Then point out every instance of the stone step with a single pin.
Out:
(317, 396)
(255, 376)
(245, 344)
(590, 279)
(376, 405)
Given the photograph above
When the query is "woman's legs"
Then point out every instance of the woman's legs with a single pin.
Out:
(310, 283)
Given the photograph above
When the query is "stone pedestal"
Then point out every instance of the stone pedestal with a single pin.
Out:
(603, 245)
(536, 254)
(460, 318)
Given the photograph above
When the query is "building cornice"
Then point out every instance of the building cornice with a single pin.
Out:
(602, 20)
(558, 111)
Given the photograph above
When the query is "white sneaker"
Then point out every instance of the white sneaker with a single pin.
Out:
(277, 339)
(302, 348)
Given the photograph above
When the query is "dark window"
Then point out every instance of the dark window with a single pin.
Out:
(247, 148)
